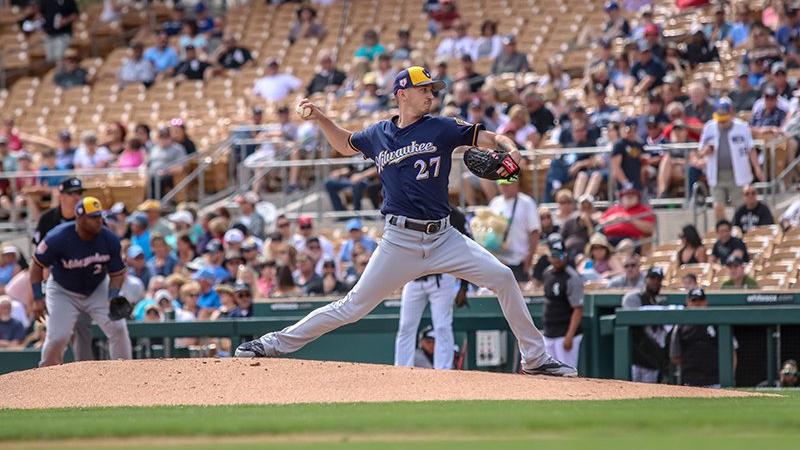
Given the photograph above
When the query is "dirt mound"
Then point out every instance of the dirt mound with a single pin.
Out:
(280, 381)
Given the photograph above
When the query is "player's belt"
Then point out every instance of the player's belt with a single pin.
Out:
(425, 227)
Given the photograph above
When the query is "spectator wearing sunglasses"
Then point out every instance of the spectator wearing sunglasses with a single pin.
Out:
(632, 276)
(244, 301)
(752, 213)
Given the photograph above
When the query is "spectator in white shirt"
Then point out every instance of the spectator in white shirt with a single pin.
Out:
(454, 47)
(488, 44)
(90, 156)
(275, 86)
(522, 235)
(136, 69)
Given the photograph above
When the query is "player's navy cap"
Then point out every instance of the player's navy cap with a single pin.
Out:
(135, 251)
(416, 76)
(611, 6)
(71, 185)
(89, 206)
(556, 248)
(655, 272)
(724, 104)
(696, 293)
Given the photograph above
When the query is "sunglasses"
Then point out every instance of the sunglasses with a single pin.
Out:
(193, 294)
(283, 225)
(750, 193)
(305, 227)
(565, 202)
(243, 295)
(628, 266)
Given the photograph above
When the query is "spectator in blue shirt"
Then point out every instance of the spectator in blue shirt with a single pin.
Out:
(65, 152)
(205, 23)
(12, 332)
(789, 30)
(140, 233)
(720, 29)
(740, 30)
(137, 266)
(48, 164)
(208, 297)
(162, 262)
(371, 48)
(162, 55)
(356, 233)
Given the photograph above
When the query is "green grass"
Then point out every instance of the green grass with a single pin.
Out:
(745, 423)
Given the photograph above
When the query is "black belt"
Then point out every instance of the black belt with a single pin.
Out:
(425, 278)
(425, 227)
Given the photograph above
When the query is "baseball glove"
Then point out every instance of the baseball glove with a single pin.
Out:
(486, 163)
(119, 308)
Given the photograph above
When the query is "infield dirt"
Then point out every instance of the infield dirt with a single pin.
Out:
(284, 381)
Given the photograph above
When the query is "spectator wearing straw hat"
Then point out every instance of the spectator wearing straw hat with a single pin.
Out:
(152, 209)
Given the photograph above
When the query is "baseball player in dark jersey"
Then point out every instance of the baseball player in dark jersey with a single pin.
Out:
(413, 154)
(86, 270)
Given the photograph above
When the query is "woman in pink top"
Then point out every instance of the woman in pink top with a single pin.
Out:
(132, 155)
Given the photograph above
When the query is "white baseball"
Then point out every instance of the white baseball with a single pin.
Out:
(304, 111)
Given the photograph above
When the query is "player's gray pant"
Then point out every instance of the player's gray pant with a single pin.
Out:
(82, 338)
(63, 308)
(402, 256)
(440, 291)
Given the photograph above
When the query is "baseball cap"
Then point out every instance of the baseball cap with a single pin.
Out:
(789, 367)
(181, 216)
(162, 294)
(305, 221)
(139, 218)
(655, 272)
(89, 206)
(770, 91)
(630, 122)
(610, 6)
(135, 251)
(64, 135)
(724, 104)
(204, 274)
(232, 254)
(214, 245)
(234, 236)
(118, 208)
(149, 205)
(248, 197)
(10, 249)
(742, 71)
(651, 28)
(696, 293)
(556, 248)
(777, 66)
(241, 286)
(354, 224)
(643, 46)
(734, 260)
(416, 76)
(3, 140)
(71, 185)
(250, 244)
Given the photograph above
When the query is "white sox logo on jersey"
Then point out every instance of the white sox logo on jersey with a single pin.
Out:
(386, 157)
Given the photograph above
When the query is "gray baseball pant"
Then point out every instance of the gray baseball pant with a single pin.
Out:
(82, 338)
(402, 256)
(63, 308)
(440, 292)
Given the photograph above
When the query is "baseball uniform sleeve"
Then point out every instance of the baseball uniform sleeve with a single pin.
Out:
(461, 132)
(46, 251)
(115, 265)
(364, 141)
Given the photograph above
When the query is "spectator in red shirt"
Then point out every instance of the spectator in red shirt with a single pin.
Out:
(616, 228)
(443, 16)
(9, 132)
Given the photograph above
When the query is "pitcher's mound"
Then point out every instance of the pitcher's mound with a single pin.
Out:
(280, 381)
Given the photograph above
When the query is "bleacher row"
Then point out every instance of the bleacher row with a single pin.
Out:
(775, 260)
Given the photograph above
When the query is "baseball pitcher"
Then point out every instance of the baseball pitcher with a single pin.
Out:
(413, 155)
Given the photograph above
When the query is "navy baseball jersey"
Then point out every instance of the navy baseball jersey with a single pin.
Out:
(77, 265)
(414, 162)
